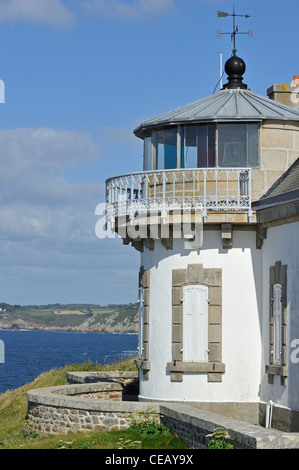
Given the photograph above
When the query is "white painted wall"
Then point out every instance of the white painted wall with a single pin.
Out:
(241, 327)
(282, 245)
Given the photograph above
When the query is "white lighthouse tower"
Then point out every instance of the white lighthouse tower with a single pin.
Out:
(196, 215)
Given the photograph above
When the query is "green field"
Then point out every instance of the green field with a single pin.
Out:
(70, 315)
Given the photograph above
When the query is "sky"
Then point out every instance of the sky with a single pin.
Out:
(80, 76)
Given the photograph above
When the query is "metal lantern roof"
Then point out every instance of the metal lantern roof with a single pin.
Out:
(227, 105)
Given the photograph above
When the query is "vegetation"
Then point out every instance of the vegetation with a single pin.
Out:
(13, 410)
(84, 308)
(69, 315)
(220, 439)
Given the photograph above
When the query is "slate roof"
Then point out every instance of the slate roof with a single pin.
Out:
(289, 181)
(285, 189)
(231, 105)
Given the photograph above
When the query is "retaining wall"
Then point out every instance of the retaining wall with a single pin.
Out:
(72, 408)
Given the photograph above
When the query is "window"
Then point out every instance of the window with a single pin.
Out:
(195, 323)
(141, 324)
(165, 148)
(204, 145)
(238, 145)
(198, 146)
(277, 323)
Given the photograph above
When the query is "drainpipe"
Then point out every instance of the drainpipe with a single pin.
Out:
(269, 409)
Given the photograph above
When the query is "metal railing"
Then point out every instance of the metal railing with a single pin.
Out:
(205, 189)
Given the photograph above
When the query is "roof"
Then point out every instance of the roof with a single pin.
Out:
(231, 105)
(285, 189)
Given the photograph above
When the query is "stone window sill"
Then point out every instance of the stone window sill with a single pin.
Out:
(277, 370)
(209, 367)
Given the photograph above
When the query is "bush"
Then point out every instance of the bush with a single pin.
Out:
(150, 429)
(219, 439)
(146, 425)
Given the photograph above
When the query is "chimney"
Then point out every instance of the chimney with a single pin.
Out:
(285, 93)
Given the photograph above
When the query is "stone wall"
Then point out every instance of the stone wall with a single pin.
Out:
(54, 420)
(73, 408)
(83, 407)
(128, 379)
(279, 148)
(193, 426)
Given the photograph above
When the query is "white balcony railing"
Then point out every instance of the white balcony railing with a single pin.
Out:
(205, 189)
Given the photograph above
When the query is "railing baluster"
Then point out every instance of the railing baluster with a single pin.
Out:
(227, 173)
(240, 186)
(146, 186)
(139, 186)
(183, 175)
(249, 196)
(132, 188)
(126, 187)
(173, 188)
(216, 183)
(205, 196)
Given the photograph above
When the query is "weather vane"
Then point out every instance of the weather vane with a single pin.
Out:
(223, 14)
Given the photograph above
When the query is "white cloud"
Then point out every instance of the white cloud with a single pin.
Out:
(48, 247)
(44, 150)
(50, 12)
(132, 10)
(35, 199)
(118, 135)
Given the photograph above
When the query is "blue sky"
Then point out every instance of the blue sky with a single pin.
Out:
(79, 76)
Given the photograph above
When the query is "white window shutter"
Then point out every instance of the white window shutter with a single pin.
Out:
(277, 320)
(195, 323)
(141, 324)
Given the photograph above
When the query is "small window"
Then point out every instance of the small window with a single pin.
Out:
(277, 324)
(141, 324)
(195, 323)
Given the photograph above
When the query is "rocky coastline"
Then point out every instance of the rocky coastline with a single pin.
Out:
(109, 324)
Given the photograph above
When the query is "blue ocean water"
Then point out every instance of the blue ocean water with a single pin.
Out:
(26, 354)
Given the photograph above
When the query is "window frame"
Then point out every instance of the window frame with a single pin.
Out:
(141, 323)
(277, 276)
(277, 323)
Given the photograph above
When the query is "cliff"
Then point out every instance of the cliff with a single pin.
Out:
(118, 321)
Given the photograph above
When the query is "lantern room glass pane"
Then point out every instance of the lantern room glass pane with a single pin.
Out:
(238, 145)
(147, 153)
(189, 151)
(198, 146)
(165, 147)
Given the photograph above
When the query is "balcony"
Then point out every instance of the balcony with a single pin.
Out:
(209, 190)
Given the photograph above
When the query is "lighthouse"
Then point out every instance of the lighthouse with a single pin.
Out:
(214, 216)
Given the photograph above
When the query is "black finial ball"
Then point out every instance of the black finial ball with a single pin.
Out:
(235, 66)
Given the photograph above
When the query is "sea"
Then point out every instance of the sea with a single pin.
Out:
(24, 354)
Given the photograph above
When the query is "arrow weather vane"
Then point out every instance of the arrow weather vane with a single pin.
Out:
(223, 14)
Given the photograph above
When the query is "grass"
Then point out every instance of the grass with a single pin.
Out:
(13, 410)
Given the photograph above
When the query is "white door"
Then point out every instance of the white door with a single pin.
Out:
(195, 323)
